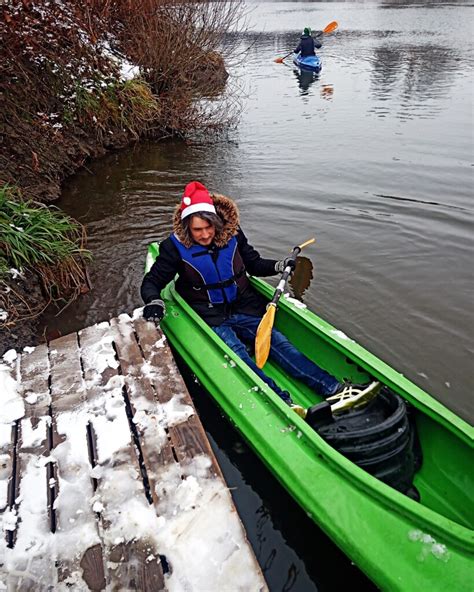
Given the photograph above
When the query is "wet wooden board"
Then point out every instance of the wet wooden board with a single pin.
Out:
(109, 432)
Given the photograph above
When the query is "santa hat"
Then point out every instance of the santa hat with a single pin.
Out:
(196, 198)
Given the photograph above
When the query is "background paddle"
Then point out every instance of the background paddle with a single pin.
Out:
(280, 60)
(327, 29)
(264, 331)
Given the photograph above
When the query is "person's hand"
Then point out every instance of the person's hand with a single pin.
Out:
(281, 265)
(154, 310)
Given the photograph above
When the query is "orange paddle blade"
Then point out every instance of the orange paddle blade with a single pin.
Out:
(264, 336)
(331, 27)
(278, 60)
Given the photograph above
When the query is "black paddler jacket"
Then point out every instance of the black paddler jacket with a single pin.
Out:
(169, 263)
(306, 46)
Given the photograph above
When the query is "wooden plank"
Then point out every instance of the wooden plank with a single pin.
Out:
(120, 492)
(5, 465)
(33, 547)
(80, 558)
(188, 437)
(35, 370)
(8, 438)
(154, 440)
(29, 559)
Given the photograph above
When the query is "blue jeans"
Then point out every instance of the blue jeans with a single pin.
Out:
(241, 328)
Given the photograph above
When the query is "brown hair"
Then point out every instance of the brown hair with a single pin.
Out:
(214, 219)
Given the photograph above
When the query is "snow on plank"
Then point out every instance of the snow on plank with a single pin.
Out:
(188, 437)
(11, 410)
(79, 553)
(136, 488)
(127, 518)
(30, 564)
(154, 441)
(202, 536)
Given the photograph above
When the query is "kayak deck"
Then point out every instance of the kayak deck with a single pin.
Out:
(309, 63)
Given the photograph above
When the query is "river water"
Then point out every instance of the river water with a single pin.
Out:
(374, 158)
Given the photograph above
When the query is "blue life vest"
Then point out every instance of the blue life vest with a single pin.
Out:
(218, 277)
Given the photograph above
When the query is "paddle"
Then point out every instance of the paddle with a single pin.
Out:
(327, 29)
(280, 60)
(264, 331)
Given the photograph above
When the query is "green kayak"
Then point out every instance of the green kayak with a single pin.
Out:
(400, 543)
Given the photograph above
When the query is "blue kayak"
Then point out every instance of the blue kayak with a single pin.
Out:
(309, 63)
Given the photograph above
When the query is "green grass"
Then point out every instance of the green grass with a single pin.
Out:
(39, 238)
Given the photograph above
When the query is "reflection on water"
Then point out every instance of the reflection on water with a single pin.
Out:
(327, 91)
(305, 79)
(300, 281)
(411, 77)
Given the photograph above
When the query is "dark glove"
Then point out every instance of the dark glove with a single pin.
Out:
(288, 261)
(154, 310)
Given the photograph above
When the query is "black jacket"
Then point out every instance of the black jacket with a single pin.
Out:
(169, 263)
(306, 46)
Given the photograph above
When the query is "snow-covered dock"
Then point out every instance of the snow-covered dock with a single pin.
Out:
(107, 479)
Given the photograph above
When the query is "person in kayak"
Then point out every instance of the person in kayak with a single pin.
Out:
(211, 256)
(307, 44)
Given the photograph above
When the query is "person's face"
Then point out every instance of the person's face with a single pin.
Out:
(202, 232)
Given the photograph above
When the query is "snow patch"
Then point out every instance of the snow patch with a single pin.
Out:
(11, 403)
(340, 334)
(294, 301)
(10, 356)
(429, 546)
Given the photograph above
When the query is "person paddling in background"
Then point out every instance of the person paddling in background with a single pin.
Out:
(307, 44)
(212, 258)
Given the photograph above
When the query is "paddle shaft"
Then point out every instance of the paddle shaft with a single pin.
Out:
(287, 271)
(284, 278)
(264, 330)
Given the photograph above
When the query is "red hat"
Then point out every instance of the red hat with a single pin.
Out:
(196, 198)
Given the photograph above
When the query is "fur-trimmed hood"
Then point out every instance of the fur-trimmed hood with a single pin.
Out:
(226, 208)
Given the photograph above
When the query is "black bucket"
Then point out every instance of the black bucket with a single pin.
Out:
(380, 438)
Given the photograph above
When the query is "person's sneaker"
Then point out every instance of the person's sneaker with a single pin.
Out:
(301, 411)
(354, 395)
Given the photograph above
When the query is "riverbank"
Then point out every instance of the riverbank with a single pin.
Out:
(77, 83)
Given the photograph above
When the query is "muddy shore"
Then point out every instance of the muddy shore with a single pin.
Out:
(60, 157)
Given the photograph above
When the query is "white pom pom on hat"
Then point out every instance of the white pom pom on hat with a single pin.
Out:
(196, 198)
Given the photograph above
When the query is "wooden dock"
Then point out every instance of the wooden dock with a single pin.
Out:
(107, 479)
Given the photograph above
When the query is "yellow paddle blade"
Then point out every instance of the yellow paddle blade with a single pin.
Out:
(263, 338)
(331, 27)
